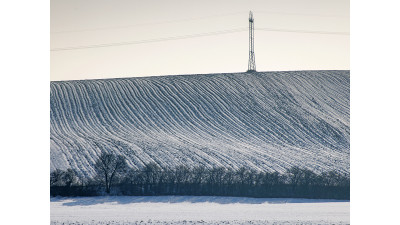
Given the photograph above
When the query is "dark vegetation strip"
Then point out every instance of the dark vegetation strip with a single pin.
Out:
(115, 178)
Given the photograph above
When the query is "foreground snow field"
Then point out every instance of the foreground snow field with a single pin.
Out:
(196, 210)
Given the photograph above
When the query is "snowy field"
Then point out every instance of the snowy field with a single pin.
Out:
(267, 121)
(196, 210)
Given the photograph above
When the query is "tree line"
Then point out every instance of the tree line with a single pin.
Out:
(114, 177)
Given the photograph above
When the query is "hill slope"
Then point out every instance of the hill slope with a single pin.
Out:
(265, 120)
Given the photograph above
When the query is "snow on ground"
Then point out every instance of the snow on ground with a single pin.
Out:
(196, 210)
(264, 120)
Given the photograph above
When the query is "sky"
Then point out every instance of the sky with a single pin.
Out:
(96, 39)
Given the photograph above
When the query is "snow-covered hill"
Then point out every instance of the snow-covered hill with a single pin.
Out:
(263, 120)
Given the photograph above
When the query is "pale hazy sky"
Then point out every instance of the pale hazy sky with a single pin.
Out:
(77, 23)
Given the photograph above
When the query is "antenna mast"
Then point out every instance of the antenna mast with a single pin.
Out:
(252, 60)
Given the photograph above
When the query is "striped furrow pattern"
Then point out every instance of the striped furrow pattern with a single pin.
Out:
(263, 120)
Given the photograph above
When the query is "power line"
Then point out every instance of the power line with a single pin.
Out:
(302, 14)
(192, 19)
(303, 31)
(146, 24)
(151, 40)
(193, 36)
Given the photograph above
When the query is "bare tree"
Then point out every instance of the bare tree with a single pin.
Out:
(69, 177)
(56, 177)
(63, 178)
(108, 167)
(294, 176)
